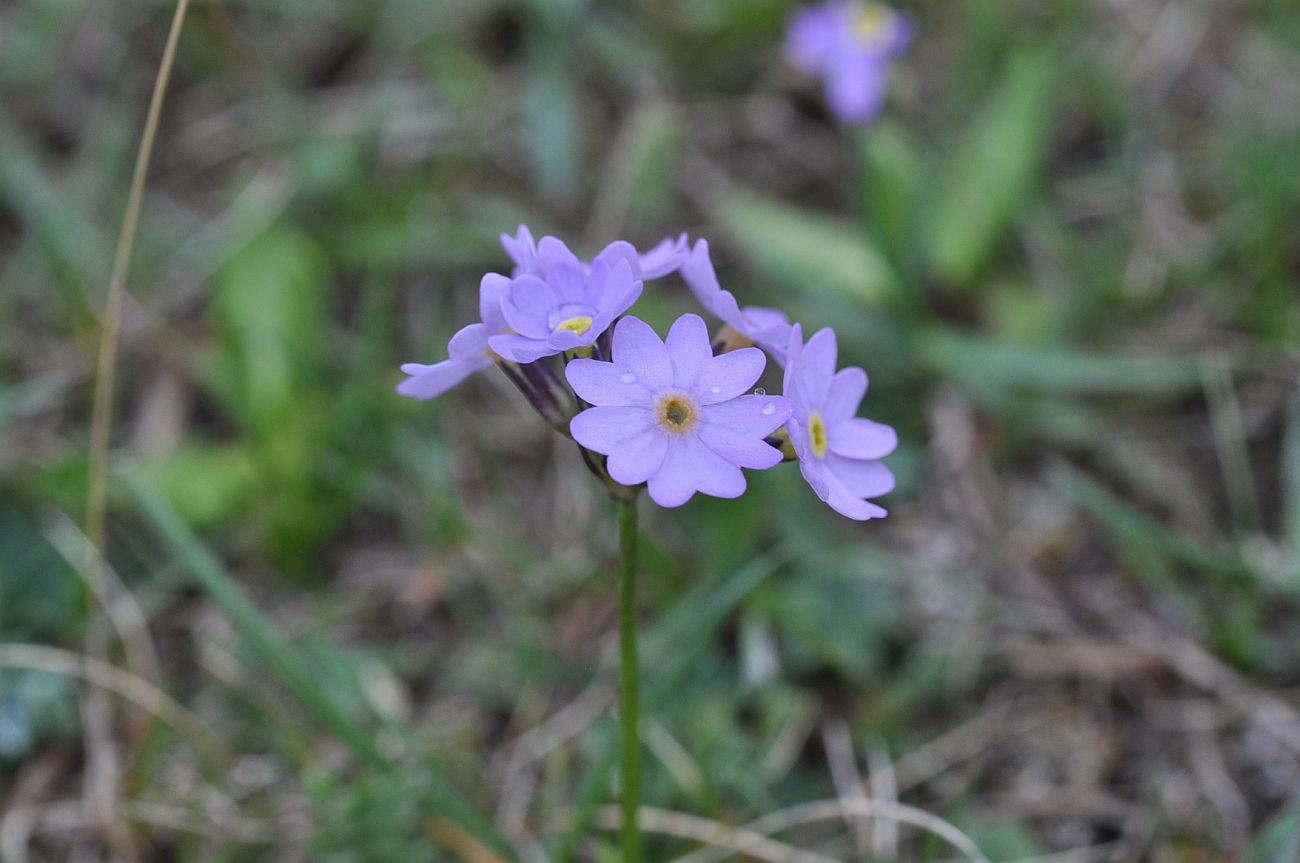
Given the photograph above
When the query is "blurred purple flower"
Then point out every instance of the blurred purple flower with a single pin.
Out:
(673, 415)
(768, 328)
(468, 351)
(537, 258)
(569, 309)
(849, 43)
(838, 452)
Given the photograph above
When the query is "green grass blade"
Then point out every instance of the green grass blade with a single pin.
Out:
(994, 169)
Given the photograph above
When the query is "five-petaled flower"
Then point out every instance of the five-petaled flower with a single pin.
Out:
(674, 416)
(569, 309)
(849, 43)
(769, 328)
(839, 453)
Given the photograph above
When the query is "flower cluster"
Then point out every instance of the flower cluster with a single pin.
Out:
(678, 415)
(849, 44)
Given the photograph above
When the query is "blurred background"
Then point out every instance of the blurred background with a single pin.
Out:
(345, 626)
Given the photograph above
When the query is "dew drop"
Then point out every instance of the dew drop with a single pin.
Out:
(715, 390)
(768, 410)
(627, 378)
(759, 391)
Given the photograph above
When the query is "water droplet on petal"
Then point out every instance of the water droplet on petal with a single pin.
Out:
(759, 391)
(627, 378)
(769, 409)
(715, 390)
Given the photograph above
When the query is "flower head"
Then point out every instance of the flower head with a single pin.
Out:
(849, 43)
(674, 416)
(839, 453)
(537, 258)
(468, 351)
(568, 309)
(768, 328)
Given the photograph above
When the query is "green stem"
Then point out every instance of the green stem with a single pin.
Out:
(629, 681)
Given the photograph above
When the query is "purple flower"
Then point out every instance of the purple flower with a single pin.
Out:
(468, 351)
(537, 258)
(674, 416)
(768, 328)
(838, 452)
(849, 43)
(567, 310)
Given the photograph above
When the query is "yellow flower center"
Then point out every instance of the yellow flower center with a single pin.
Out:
(817, 434)
(577, 324)
(869, 21)
(677, 412)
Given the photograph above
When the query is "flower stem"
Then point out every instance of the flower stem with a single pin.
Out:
(629, 681)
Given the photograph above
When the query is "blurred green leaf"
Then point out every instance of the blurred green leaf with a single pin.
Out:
(40, 597)
(269, 304)
(205, 483)
(994, 168)
(892, 179)
(987, 365)
(808, 251)
(552, 104)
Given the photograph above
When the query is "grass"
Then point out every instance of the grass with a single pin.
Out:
(1066, 255)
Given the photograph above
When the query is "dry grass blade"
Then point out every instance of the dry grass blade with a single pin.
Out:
(105, 366)
(451, 835)
(826, 810)
(720, 837)
(37, 657)
(124, 613)
(102, 768)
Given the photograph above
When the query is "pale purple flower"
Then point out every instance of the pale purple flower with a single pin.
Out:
(570, 309)
(839, 453)
(672, 415)
(468, 352)
(769, 328)
(849, 43)
(537, 258)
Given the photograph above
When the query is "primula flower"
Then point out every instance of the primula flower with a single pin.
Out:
(766, 327)
(537, 258)
(468, 352)
(567, 310)
(849, 43)
(674, 416)
(838, 452)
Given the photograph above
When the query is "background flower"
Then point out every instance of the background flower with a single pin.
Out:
(838, 452)
(848, 43)
(674, 416)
